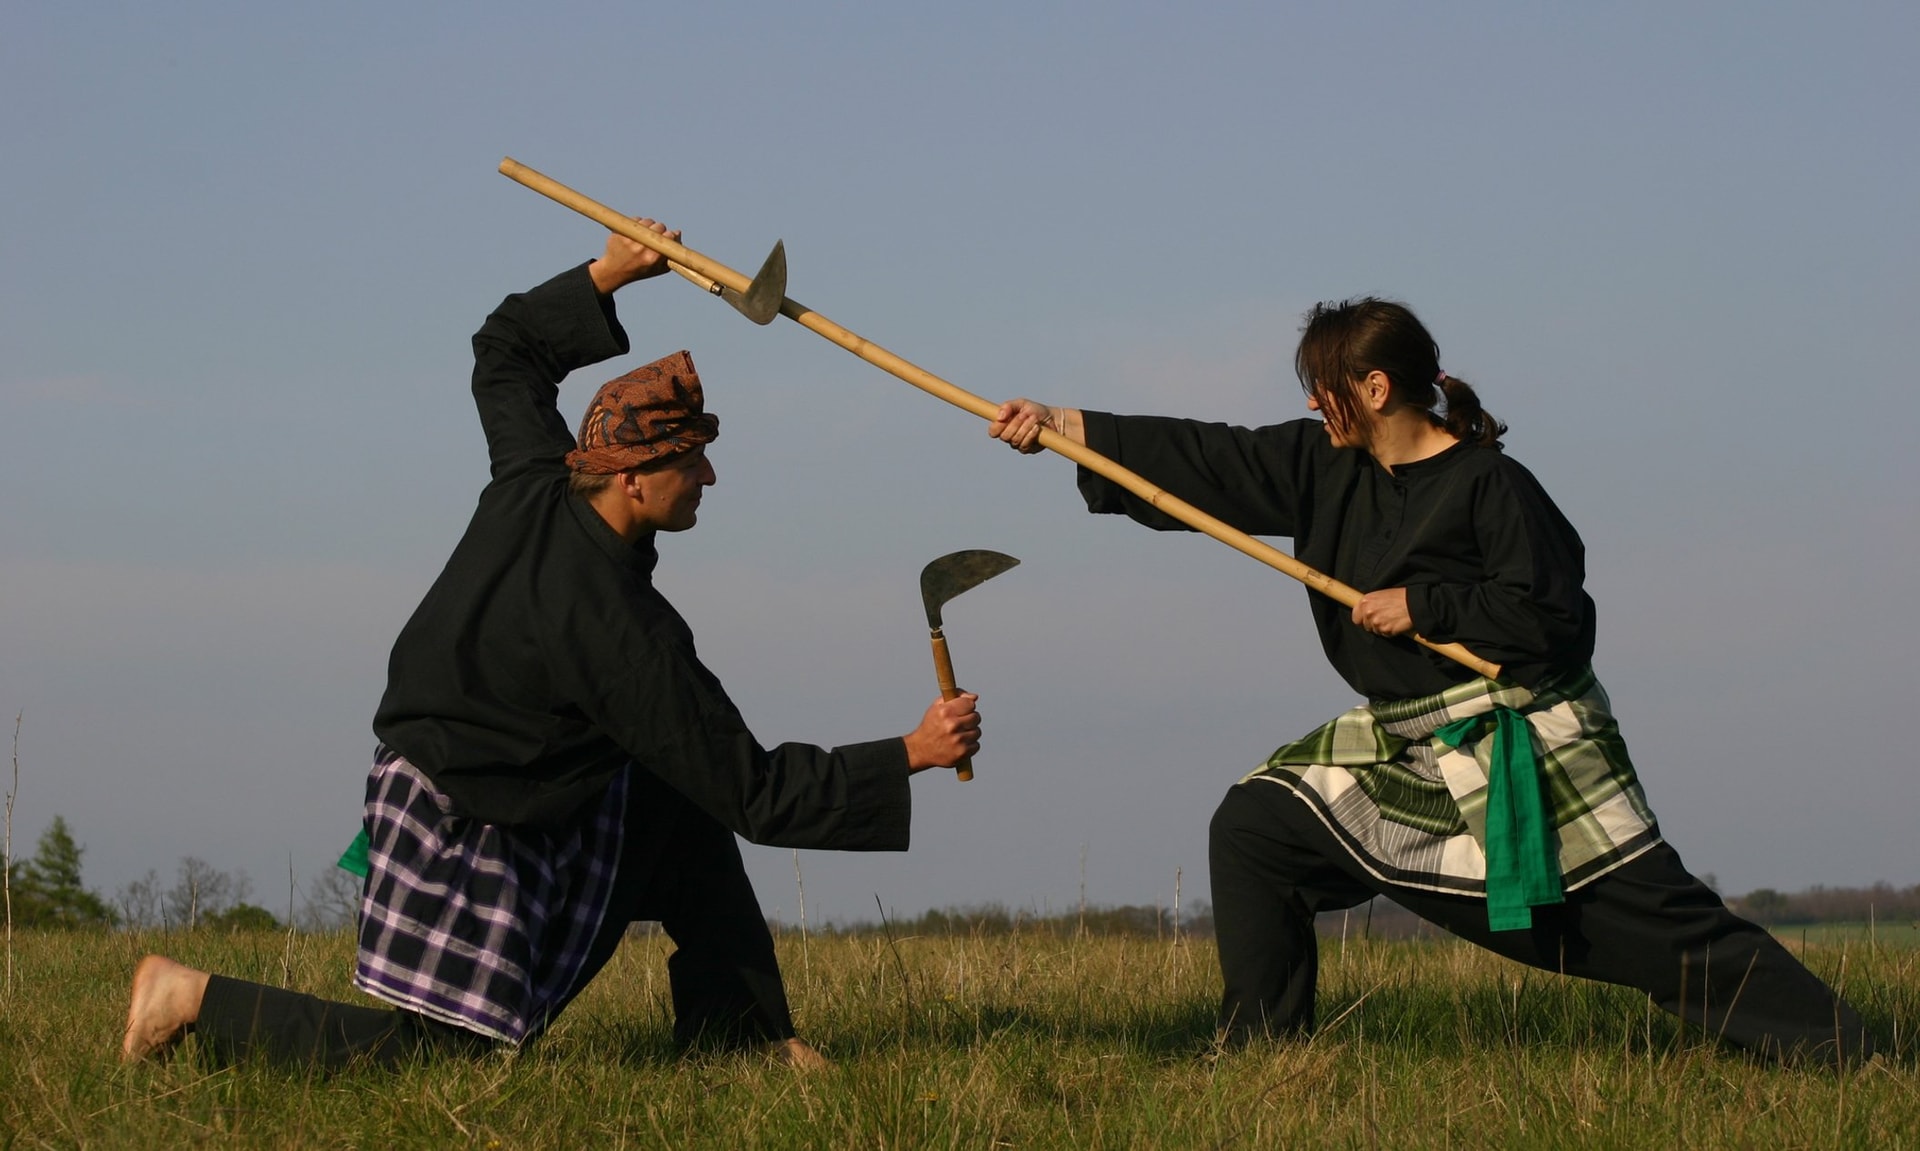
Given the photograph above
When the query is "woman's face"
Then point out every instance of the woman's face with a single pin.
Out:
(1338, 428)
(1366, 399)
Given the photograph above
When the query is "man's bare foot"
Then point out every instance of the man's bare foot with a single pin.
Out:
(166, 999)
(798, 1054)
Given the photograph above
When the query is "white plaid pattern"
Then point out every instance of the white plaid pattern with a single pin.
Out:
(475, 924)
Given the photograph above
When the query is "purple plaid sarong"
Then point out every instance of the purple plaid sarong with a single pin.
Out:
(479, 925)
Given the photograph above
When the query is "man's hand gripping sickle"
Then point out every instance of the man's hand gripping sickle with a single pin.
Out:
(948, 733)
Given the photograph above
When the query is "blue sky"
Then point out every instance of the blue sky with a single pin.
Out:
(243, 246)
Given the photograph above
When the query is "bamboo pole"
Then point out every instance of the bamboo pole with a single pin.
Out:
(959, 397)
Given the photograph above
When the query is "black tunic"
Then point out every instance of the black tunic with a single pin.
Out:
(543, 658)
(1487, 559)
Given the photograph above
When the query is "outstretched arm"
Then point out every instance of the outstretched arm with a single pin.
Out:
(1018, 424)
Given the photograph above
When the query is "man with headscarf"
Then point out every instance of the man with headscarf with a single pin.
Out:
(555, 762)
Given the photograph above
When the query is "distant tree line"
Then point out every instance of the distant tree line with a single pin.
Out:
(1133, 920)
(47, 891)
(1881, 903)
(1378, 919)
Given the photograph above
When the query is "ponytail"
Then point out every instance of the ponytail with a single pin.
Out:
(1464, 418)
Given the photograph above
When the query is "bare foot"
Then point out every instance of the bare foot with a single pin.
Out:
(166, 999)
(798, 1054)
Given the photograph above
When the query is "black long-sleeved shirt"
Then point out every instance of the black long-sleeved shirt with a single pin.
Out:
(543, 659)
(1488, 561)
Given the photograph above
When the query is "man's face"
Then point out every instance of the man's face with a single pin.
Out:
(670, 496)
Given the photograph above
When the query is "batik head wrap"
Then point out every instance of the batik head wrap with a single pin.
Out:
(644, 417)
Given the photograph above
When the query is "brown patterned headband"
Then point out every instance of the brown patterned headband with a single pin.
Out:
(644, 417)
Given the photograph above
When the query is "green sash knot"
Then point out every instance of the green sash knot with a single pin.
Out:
(354, 858)
(1523, 865)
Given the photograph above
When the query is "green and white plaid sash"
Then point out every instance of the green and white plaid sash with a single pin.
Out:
(1413, 808)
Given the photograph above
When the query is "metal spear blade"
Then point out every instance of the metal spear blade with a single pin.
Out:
(763, 297)
(765, 293)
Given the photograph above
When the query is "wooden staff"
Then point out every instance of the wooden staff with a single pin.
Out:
(959, 397)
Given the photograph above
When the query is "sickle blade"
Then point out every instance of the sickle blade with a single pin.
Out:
(954, 573)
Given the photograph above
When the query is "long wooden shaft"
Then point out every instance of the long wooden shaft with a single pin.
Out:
(959, 397)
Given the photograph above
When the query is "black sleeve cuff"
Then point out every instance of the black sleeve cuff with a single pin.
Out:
(581, 326)
(1103, 496)
(879, 814)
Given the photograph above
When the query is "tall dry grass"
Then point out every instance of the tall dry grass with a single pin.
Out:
(1022, 1039)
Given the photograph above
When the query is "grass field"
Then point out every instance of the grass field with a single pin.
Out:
(1024, 1039)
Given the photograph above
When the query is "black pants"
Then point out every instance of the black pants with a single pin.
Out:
(1648, 924)
(678, 866)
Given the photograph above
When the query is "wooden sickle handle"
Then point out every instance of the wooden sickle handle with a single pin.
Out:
(943, 672)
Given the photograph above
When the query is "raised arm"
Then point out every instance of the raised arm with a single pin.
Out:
(535, 338)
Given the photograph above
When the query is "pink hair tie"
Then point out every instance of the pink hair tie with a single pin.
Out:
(1440, 381)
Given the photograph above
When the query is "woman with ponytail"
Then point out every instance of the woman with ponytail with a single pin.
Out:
(1506, 811)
